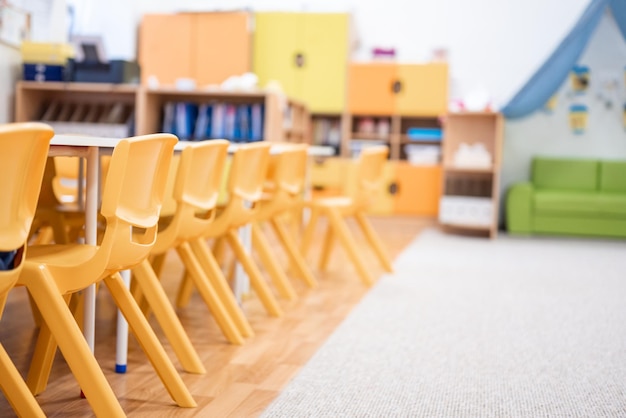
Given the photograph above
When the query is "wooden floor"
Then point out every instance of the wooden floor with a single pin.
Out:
(241, 380)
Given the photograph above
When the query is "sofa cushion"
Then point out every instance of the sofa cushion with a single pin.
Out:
(580, 203)
(613, 176)
(565, 174)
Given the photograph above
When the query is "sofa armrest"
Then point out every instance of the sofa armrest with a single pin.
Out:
(519, 208)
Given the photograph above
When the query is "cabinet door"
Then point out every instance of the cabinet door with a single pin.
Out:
(324, 49)
(221, 46)
(275, 48)
(165, 47)
(329, 176)
(418, 189)
(371, 89)
(424, 90)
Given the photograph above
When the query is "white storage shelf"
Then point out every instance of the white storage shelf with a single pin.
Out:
(466, 211)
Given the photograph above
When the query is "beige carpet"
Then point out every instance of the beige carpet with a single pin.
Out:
(466, 327)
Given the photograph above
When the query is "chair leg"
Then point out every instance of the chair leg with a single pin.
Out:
(374, 240)
(157, 263)
(77, 307)
(214, 274)
(294, 254)
(209, 295)
(185, 290)
(166, 316)
(43, 356)
(327, 247)
(276, 273)
(307, 238)
(15, 390)
(343, 233)
(256, 279)
(35, 311)
(149, 342)
(219, 250)
(72, 343)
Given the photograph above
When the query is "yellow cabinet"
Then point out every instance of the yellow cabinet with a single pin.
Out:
(207, 47)
(329, 176)
(307, 53)
(275, 50)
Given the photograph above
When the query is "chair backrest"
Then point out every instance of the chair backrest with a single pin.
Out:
(288, 169)
(248, 171)
(65, 182)
(23, 153)
(285, 182)
(369, 174)
(133, 196)
(197, 186)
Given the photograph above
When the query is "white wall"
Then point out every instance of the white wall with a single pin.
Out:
(550, 134)
(50, 20)
(9, 66)
(493, 44)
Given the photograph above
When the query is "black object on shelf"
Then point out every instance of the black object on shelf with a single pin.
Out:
(115, 71)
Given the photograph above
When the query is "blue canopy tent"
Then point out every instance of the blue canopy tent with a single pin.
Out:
(546, 81)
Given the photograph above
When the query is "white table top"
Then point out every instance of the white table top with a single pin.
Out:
(93, 141)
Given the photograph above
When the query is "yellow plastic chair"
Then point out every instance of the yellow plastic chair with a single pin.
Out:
(368, 176)
(131, 202)
(284, 191)
(65, 182)
(245, 189)
(192, 192)
(23, 153)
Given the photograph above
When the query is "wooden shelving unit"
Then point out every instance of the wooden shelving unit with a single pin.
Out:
(470, 195)
(81, 108)
(151, 104)
(140, 110)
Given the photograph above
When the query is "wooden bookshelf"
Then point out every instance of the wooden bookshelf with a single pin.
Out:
(284, 119)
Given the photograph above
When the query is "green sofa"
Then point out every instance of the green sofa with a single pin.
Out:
(570, 196)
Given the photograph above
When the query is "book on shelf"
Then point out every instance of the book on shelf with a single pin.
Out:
(198, 122)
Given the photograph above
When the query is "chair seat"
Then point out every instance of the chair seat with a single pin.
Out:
(338, 201)
(61, 255)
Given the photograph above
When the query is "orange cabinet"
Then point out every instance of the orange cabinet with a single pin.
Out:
(165, 47)
(405, 189)
(406, 90)
(208, 47)
(418, 189)
(370, 89)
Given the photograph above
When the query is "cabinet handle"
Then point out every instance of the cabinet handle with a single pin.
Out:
(394, 188)
(396, 86)
(299, 59)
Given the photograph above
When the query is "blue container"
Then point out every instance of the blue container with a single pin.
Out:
(424, 134)
(44, 72)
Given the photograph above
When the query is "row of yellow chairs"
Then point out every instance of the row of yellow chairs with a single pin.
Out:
(146, 212)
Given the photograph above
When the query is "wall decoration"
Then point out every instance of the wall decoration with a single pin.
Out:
(579, 78)
(550, 105)
(578, 114)
(15, 24)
